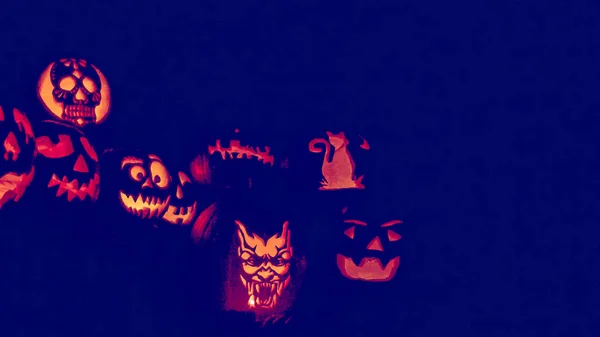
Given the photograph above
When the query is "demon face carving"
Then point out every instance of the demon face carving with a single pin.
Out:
(17, 153)
(69, 160)
(75, 91)
(147, 191)
(265, 265)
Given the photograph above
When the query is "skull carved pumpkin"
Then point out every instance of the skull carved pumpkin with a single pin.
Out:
(75, 91)
(146, 190)
(17, 156)
(69, 162)
(181, 209)
(370, 255)
(338, 167)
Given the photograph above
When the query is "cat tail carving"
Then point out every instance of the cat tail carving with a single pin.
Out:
(312, 148)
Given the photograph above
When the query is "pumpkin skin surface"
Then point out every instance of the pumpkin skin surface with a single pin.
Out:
(17, 155)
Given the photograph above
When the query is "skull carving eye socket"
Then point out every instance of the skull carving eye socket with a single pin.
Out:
(159, 173)
(89, 84)
(67, 83)
(137, 173)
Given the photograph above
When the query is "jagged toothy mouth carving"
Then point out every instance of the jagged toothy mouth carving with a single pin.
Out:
(237, 151)
(73, 189)
(145, 207)
(264, 294)
(369, 268)
(180, 215)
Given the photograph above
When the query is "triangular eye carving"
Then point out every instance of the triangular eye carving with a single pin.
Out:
(393, 236)
(350, 232)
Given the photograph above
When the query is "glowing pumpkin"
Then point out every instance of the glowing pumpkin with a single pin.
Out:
(370, 252)
(67, 162)
(146, 189)
(17, 156)
(338, 167)
(181, 209)
(75, 91)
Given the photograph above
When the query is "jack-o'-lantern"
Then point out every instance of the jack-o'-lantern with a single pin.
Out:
(233, 163)
(265, 265)
(338, 167)
(75, 91)
(369, 253)
(68, 161)
(181, 209)
(146, 189)
(17, 156)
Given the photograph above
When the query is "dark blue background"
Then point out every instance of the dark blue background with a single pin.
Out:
(486, 111)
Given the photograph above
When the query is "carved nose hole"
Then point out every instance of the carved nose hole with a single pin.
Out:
(375, 244)
(147, 183)
(80, 165)
(79, 95)
(265, 275)
(179, 193)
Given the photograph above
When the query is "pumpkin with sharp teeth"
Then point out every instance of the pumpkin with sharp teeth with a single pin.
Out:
(67, 162)
(17, 144)
(148, 184)
(181, 209)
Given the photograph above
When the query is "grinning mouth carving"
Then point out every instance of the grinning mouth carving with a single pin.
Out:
(12, 186)
(237, 151)
(146, 207)
(73, 189)
(264, 294)
(180, 215)
(369, 268)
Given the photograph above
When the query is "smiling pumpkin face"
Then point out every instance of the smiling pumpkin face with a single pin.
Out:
(181, 209)
(146, 191)
(69, 162)
(370, 250)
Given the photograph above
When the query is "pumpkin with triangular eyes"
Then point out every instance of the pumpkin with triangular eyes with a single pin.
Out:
(17, 154)
(67, 162)
(370, 252)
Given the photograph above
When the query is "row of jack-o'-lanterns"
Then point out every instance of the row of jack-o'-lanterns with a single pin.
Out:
(61, 157)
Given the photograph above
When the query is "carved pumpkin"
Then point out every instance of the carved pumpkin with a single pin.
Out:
(264, 268)
(338, 167)
(17, 156)
(68, 161)
(75, 91)
(181, 209)
(146, 186)
(370, 249)
(233, 163)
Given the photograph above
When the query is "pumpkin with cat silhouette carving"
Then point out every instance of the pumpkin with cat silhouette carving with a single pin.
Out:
(338, 168)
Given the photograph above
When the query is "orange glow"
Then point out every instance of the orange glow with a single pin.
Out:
(203, 225)
(375, 244)
(102, 98)
(23, 124)
(338, 173)
(47, 148)
(73, 189)
(89, 149)
(180, 215)
(200, 169)
(369, 269)
(12, 186)
(11, 147)
(237, 151)
(393, 236)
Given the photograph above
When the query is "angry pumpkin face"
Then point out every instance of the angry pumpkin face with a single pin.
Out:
(370, 252)
(69, 161)
(265, 265)
(17, 155)
(146, 193)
